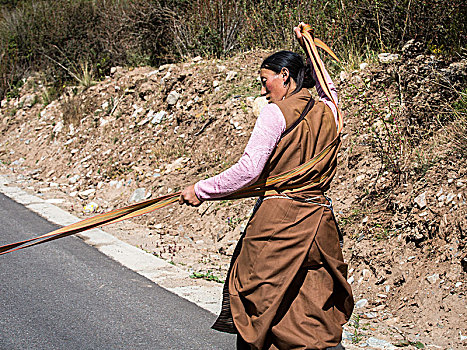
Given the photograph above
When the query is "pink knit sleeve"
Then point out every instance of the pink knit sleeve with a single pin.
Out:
(264, 138)
(322, 95)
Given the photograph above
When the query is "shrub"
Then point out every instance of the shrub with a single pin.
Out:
(53, 34)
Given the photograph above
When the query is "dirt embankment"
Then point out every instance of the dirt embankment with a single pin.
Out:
(399, 194)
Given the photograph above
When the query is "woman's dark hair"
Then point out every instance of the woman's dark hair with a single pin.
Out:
(298, 71)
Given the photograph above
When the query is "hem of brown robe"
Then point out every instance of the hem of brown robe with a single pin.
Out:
(224, 322)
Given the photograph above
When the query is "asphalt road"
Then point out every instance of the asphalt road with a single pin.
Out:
(66, 295)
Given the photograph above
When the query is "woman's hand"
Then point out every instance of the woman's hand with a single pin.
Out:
(298, 34)
(189, 197)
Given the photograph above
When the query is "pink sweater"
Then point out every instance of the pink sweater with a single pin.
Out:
(265, 135)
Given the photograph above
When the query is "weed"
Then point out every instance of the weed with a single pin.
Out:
(357, 335)
(49, 94)
(458, 128)
(209, 276)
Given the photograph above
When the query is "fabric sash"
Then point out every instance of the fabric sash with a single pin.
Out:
(260, 188)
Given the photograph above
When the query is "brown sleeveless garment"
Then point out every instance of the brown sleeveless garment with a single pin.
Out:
(287, 286)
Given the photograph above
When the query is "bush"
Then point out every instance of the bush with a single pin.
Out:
(59, 35)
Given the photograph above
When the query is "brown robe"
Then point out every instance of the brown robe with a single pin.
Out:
(287, 286)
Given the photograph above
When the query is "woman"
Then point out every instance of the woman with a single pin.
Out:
(286, 287)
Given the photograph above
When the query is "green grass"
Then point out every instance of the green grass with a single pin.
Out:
(208, 276)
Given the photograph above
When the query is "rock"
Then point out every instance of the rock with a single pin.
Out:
(231, 75)
(165, 77)
(28, 100)
(173, 97)
(440, 192)
(74, 179)
(215, 83)
(165, 66)
(412, 48)
(138, 196)
(146, 90)
(361, 303)
(343, 75)
(18, 161)
(113, 70)
(197, 59)
(137, 110)
(87, 193)
(386, 57)
(221, 68)
(91, 207)
(458, 284)
(144, 121)
(363, 66)
(58, 127)
(158, 117)
(376, 343)
(351, 279)
(450, 197)
(459, 184)
(258, 105)
(420, 200)
(177, 164)
(360, 178)
(433, 278)
(152, 73)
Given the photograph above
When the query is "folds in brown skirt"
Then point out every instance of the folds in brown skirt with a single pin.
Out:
(287, 285)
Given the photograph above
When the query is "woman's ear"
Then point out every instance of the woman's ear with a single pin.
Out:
(285, 74)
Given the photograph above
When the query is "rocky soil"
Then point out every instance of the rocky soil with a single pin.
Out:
(399, 194)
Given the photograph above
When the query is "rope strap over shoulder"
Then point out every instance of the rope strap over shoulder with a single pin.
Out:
(256, 189)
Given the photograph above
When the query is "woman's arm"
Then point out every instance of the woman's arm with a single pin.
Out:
(322, 96)
(264, 138)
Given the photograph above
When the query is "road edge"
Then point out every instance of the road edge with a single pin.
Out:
(203, 293)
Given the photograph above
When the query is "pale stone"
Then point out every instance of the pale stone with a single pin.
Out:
(85, 194)
(74, 179)
(231, 75)
(386, 57)
(177, 164)
(158, 117)
(58, 127)
(361, 303)
(343, 75)
(420, 200)
(173, 97)
(360, 178)
(433, 278)
(138, 195)
(221, 68)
